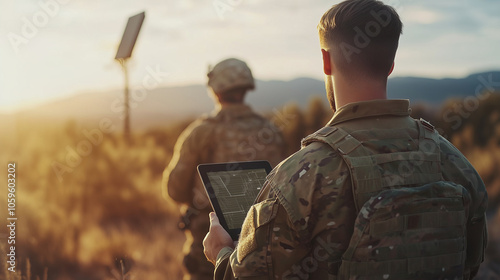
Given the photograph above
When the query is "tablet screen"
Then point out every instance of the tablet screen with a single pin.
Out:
(236, 192)
(232, 189)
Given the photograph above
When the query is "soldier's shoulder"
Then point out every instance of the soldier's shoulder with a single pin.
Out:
(447, 146)
(197, 130)
(205, 122)
(315, 155)
(303, 179)
(456, 167)
(450, 154)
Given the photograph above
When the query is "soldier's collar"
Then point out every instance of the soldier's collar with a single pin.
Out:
(232, 109)
(373, 108)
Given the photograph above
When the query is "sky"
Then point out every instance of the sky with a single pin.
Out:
(53, 49)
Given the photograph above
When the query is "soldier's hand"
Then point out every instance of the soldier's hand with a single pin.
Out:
(216, 239)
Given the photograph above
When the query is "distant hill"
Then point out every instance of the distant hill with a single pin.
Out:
(437, 91)
(164, 105)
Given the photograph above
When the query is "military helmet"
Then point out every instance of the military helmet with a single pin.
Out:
(230, 74)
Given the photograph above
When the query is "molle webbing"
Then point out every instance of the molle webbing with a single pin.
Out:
(402, 267)
(414, 250)
(422, 220)
(372, 172)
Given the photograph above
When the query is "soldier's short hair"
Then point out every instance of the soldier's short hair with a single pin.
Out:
(362, 36)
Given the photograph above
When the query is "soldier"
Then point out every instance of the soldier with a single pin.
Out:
(374, 194)
(233, 132)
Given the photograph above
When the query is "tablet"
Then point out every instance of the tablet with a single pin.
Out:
(232, 189)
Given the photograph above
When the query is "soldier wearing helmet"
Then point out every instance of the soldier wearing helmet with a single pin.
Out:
(232, 132)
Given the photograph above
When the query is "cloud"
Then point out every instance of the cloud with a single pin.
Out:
(420, 15)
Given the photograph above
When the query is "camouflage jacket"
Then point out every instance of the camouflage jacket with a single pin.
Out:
(230, 133)
(304, 218)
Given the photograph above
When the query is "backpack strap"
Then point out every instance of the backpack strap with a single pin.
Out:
(345, 144)
(335, 137)
(368, 176)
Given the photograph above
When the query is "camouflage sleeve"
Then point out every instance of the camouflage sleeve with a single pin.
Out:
(179, 175)
(222, 269)
(252, 258)
(253, 235)
(456, 168)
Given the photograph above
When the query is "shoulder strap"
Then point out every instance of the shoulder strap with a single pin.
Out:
(338, 139)
(345, 144)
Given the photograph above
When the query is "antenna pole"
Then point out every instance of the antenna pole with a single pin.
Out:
(126, 124)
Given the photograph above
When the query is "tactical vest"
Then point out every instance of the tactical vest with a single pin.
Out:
(411, 224)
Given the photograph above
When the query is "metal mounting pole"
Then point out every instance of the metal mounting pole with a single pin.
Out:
(126, 124)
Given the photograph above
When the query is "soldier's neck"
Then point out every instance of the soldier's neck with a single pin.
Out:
(356, 90)
(221, 105)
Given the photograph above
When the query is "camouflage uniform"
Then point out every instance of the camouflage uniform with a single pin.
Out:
(304, 218)
(232, 133)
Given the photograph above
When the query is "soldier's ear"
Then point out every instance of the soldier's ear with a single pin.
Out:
(327, 63)
(392, 69)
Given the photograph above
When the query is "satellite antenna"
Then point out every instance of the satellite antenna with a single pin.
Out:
(124, 52)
